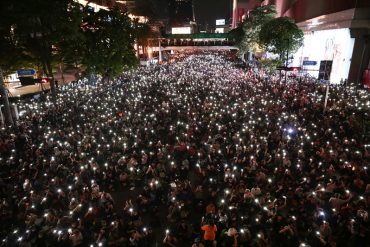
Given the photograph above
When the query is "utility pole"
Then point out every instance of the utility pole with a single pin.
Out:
(360, 69)
(327, 85)
(326, 95)
(286, 62)
(193, 8)
(160, 51)
(4, 96)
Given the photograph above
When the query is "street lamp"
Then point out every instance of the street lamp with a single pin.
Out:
(286, 61)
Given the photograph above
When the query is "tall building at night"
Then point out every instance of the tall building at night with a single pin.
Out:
(335, 30)
(240, 9)
(180, 11)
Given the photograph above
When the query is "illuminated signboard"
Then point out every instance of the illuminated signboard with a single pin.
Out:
(220, 22)
(334, 45)
(181, 30)
(220, 30)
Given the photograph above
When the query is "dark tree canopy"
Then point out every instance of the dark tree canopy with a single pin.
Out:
(247, 36)
(43, 34)
(280, 35)
(10, 53)
(144, 8)
(35, 32)
(237, 34)
(109, 40)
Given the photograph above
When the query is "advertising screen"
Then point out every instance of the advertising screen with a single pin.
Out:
(220, 22)
(181, 30)
(220, 30)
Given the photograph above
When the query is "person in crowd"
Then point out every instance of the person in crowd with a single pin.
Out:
(200, 146)
(209, 236)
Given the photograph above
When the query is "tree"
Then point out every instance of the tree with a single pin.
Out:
(109, 41)
(5, 62)
(281, 36)
(42, 26)
(69, 51)
(144, 8)
(251, 27)
(12, 55)
(143, 33)
(237, 35)
(154, 12)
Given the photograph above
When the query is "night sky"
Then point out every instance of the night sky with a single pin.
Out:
(207, 11)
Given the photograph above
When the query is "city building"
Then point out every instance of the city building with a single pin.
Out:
(129, 6)
(240, 9)
(221, 26)
(180, 12)
(336, 31)
(126, 6)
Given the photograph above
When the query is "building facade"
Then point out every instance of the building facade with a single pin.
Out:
(180, 12)
(240, 10)
(335, 30)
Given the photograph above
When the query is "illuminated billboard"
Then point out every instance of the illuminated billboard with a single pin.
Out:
(334, 45)
(220, 22)
(220, 30)
(181, 30)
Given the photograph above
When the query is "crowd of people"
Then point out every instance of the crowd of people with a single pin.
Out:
(196, 152)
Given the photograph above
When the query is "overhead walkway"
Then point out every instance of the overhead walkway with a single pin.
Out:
(217, 47)
(196, 41)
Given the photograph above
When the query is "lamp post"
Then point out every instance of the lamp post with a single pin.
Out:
(160, 51)
(360, 69)
(193, 10)
(286, 61)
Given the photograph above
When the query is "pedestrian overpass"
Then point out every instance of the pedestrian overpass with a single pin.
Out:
(196, 41)
(204, 47)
